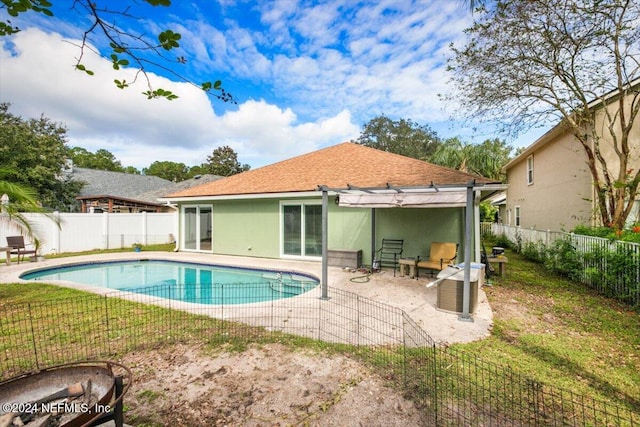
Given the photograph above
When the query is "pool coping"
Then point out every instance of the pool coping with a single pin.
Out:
(409, 295)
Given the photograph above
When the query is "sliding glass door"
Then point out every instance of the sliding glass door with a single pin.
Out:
(197, 228)
(301, 229)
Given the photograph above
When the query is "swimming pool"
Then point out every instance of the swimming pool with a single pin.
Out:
(181, 281)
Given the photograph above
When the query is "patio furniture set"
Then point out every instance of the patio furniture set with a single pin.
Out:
(441, 255)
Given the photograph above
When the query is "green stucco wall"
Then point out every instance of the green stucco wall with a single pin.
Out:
(247, 228)
(419, 227)
(252, 228)
(350, 228)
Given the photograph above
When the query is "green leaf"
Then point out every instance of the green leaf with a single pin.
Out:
(160, 93)
(116, 48)
(83, 68)
(159, 2)
(7, 29)
(169, 40)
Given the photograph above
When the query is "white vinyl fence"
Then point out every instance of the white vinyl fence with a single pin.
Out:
(82, 231)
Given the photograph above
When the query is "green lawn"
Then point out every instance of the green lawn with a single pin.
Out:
(546, 328)
(560, 333)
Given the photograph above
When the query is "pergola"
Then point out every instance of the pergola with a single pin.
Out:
(429, 196)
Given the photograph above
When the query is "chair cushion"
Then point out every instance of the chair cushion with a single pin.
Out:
(439, 256)
(442, 251)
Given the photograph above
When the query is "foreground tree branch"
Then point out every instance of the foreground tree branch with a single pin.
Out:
(126, 48)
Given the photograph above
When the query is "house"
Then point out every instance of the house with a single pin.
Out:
(550, 185)
(276, 211)
(115, 192)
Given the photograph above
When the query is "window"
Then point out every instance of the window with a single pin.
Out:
(302, 229)
(530, 170)
(197, 228)
(517, 215)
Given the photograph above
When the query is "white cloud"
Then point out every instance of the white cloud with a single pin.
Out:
(309, 77)
(37, 78)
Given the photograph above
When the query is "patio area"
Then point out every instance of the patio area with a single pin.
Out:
(408, 295)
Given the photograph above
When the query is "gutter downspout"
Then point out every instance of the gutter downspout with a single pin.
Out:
(373, 235)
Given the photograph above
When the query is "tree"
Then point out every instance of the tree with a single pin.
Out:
(100, 160)
(223, 161)
(33, 153)
(403, 137)
(17, 198)
(485, 159)
(171, 171)
(528, 62)
(112, 25)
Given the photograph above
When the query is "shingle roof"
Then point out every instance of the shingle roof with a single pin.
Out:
(335, 167)
(117, 184)
(179, 186)
(142, 188)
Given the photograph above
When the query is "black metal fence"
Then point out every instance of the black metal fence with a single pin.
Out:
(453, 388)
(611, 267)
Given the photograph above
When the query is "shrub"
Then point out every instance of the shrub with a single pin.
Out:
(535, 252)
(563, 258)
(614, 271)
(631, 234)
(503, 241)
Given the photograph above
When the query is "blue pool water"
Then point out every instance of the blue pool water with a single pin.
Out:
(189, 282)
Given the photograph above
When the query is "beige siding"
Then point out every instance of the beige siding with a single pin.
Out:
(560, 196)
(607, 145)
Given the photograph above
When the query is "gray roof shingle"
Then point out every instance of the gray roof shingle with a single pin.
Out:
(144, 188)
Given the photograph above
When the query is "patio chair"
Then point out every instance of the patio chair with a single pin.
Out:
(389, 253)
(441, 254)
(16, 243)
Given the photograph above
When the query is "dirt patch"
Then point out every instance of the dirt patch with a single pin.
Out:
(522, 310)
(264, 385)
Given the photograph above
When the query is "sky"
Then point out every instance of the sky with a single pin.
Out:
(304, 74)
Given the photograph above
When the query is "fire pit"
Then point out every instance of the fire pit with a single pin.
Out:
(77, 394)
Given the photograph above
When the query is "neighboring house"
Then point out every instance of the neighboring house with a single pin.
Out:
(550, 185)
(115, 192)
(276, 211)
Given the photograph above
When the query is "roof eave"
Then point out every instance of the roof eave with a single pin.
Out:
(490, 187)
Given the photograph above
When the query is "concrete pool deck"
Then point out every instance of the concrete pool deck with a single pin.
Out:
(409, 295)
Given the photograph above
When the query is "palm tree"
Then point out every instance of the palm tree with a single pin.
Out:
(16, 199)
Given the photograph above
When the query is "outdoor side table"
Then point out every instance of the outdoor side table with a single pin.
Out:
(8, 252)
(502, 263)
(410, 264)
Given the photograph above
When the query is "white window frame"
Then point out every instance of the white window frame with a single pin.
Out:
(530, 170)
(516, 211)
(301, 203)
(183, 227)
